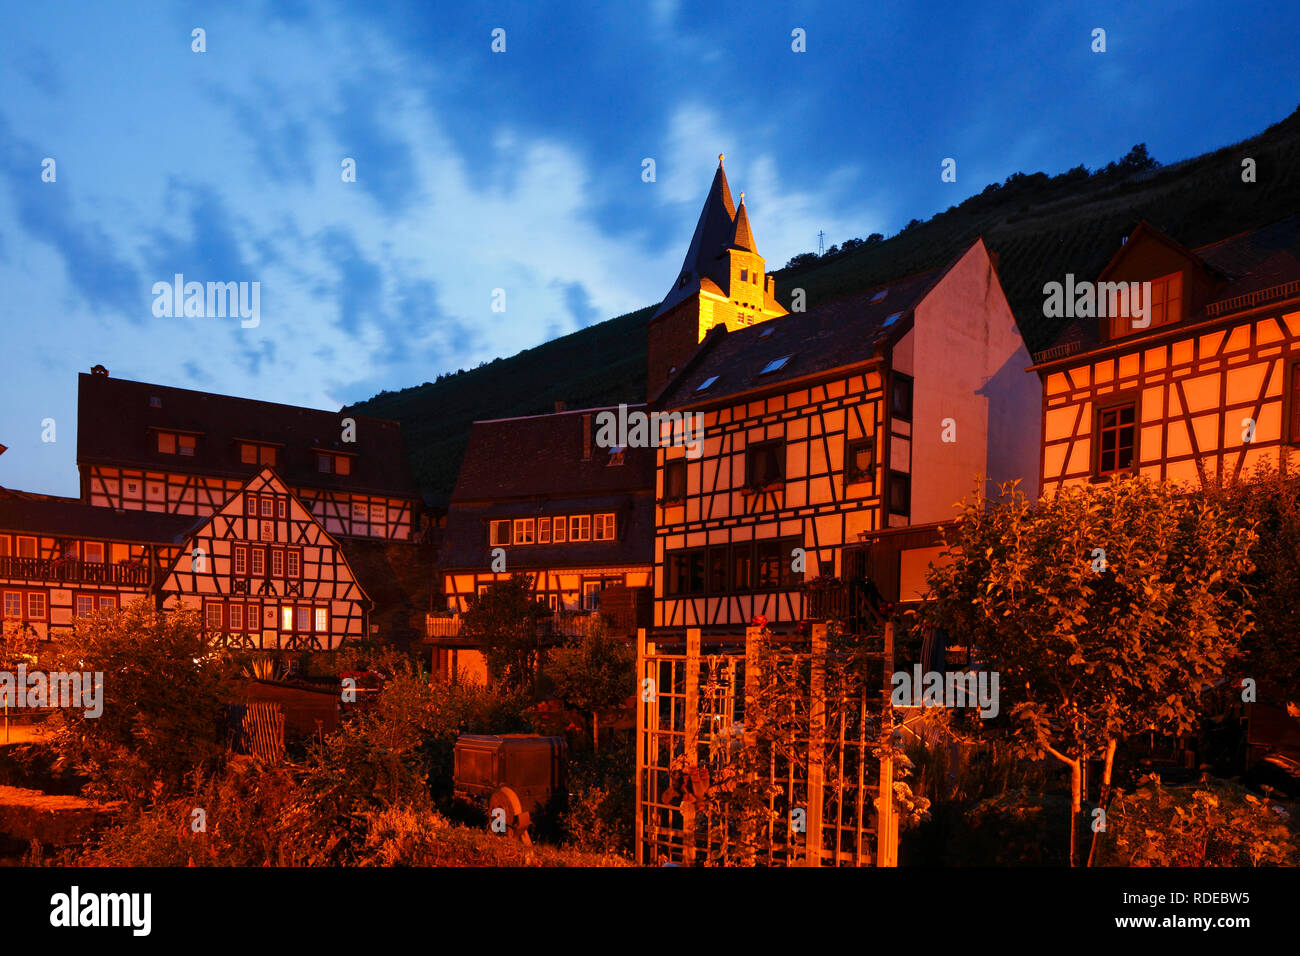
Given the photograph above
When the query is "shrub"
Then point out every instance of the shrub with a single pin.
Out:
(163, 702)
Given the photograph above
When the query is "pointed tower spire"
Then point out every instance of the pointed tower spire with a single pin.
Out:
(741, 235)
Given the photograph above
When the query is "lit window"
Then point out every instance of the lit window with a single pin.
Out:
(775, 365)
(213, 616)
(704, 385)
(524, 531)
(322, 620)
(858, 460)
(286, 618)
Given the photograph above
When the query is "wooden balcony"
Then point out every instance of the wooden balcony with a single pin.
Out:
(436, 625)
(856, 604)
(67, 570)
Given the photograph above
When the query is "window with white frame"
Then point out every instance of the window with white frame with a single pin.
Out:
(604, 528)
(580, 528)
(525, 531)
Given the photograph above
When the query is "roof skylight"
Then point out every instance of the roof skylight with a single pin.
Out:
(892, 319)
(704, 385)
(775, 365)
(879, 295)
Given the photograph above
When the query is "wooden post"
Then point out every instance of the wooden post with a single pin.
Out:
(816, 745)
(640, 743)
(691, 750)
(886, 822)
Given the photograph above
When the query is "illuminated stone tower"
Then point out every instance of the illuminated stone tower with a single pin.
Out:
(723, 281)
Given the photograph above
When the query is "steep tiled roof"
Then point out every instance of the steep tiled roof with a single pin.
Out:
(541, 456)
(1256, 262)
(834, 335)
(42, 514)
(117, 420)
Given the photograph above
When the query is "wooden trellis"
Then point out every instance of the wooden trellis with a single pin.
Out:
(824, 806)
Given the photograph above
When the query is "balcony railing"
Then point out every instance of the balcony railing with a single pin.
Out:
(857, 604)
(73, 572)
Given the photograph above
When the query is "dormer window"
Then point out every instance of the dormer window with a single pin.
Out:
(1161, 298)
(172, 443)
(330, 464)
(251, 453)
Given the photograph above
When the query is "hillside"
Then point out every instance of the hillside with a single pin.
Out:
(1041, 227)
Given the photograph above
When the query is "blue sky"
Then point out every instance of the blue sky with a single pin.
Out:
(518, 170)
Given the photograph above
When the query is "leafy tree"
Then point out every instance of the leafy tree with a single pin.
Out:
(163, 699)
(508, 618)
(1270, 502)
(598, 673)
(1105, 609)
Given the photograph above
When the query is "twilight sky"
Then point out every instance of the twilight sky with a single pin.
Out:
(519, 170)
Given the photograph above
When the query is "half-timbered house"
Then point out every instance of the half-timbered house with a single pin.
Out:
(143, 447)
(1205, 385)
(834, 441)
(538, 495)
(266, 575)
(61, 559)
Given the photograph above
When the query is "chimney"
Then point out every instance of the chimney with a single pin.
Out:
(560, 406)
(99, 370)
